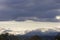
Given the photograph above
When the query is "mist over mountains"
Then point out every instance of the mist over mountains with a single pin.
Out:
(30, 27)
(49, 32)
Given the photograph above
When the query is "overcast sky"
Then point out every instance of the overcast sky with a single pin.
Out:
(37, 10)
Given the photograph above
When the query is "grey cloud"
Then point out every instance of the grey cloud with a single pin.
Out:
(28, 9)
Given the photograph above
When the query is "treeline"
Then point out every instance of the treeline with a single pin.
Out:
(8, 36)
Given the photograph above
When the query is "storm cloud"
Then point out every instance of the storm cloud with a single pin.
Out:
(37, 10)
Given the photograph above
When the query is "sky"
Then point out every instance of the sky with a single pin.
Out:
(36, 10)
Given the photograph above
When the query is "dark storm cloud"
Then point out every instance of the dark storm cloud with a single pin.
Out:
(45, 10)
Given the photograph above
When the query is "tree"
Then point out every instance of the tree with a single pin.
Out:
(4, 36)
(36, 37)
(57, 37)
(8, 36)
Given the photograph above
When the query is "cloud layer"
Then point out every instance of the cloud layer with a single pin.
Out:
(37, 10)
